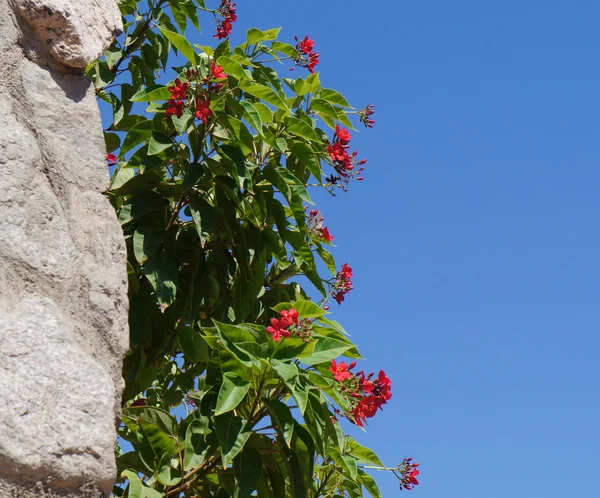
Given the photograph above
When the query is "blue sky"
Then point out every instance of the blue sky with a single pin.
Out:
(474, 236)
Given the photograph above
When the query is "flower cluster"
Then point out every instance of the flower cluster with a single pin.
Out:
(279, 326)
(343, 284)
(315, 225)
(365, 394)
(343, 162)
(227, 11)
(305, 55)
(371, 395)
(178, 95)
(180, 91)
(365, 116)
(409, 473)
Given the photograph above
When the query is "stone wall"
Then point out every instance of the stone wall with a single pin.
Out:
(63, 283)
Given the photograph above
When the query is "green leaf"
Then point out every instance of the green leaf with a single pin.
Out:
(284, 48)
(327, 259)
(112, 141)
(295, 185)
(252, 115)
(325, 350)
(283, 419)
(247, 469)
(195, 448)
(303, 456)
(162, 274)
(299, 128)
(140, 133)
(333, 97)
(204, 217)
(276, 246)
(193, 346)
(347, 463)
(315, 279)
(135, 486)
(308, 309)
(362, 453)
(254, 35)
(265, 93)
(158, 143)
(232, 392)
(266, 115)
(308, 158)
(232, 435)
(369, 483)
(151, 94)
(181, 44)
(168, 474)
(232, 67)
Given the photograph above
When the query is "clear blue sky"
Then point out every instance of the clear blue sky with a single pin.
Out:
(474, 237)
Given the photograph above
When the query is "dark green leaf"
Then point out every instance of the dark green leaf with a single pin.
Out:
(232, 434)
(232, 392)
(247, 469)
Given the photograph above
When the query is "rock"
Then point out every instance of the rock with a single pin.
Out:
(76, 32)
(63, 280)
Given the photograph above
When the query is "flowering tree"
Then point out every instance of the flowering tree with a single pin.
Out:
(235, 384)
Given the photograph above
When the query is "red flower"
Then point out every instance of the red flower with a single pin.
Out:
(306, 45)
(342, 134)
(111, 159)
(366, 408)
(325, 234)
(384, 386)
(227, 11)
(412, 476)
(175, 107)
(305, 57)
(340, 371)
(343, 284)
(313, 60)
(277, 329)
(203, 111)
(365, 115)
(337, 151)
(409, 474)
(346, 271)
(289, 315)
(217, 71)
(179, 91)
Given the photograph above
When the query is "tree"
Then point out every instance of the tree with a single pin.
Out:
(234, 380)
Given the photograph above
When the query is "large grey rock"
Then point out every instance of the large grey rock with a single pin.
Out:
(76, 32)
(63, 282)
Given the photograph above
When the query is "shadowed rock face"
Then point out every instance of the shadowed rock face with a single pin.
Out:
(63, 282)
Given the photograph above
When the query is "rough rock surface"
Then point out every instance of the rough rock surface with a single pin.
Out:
(75, 32)
(63, 282)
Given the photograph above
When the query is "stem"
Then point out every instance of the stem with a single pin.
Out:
(140, 37)
(178, 207)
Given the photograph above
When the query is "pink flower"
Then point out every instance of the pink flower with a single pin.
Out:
(278, 330)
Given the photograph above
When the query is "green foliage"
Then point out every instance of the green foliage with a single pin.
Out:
(212, 210)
